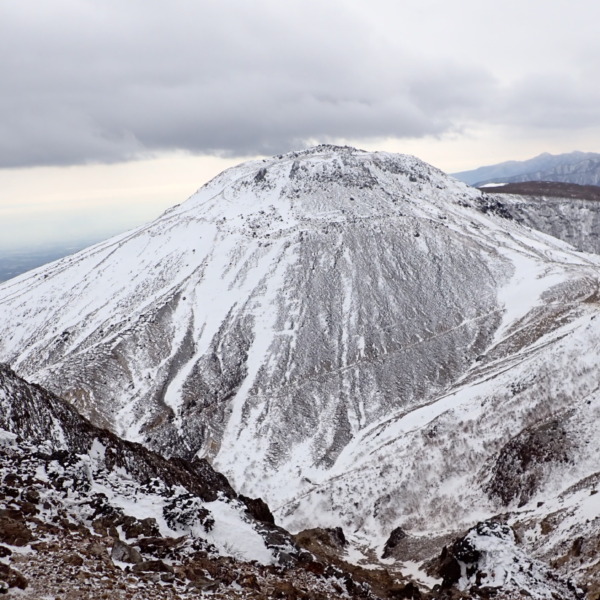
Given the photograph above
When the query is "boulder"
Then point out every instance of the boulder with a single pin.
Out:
(125, 553)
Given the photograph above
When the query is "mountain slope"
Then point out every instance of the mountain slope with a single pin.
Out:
(572, 217)
(282, 281)
(85, 514)
(582, 168)
(356, 337)
(100, 464)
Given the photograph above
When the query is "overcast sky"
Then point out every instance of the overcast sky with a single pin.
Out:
(107, 104)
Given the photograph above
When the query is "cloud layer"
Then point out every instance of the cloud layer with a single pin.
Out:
(106, 81)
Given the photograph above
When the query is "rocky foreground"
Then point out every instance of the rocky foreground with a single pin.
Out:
(84, 514)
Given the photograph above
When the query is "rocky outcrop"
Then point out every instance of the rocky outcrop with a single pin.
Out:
(39, 416)
(571, 215)
(487, 563)
(521, 464)
(397, 535)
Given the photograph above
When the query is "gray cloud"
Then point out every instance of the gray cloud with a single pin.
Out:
(546, 102)
(103, 81)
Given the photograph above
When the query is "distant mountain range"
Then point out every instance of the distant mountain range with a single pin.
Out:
(575, 167)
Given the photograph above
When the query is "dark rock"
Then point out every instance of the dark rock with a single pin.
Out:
(249, 581)
(336, 536)
(12, 479)
(487, 204)
(187, 510)
(464, 551)
(11, 578)
(406, 592)
(395, 538)
(260, 176)
(103, 509)
(520, 464)
(203, 584)
(330, 537)
(258, 508)
(14, 533)
(285, 559)
(156, 566)
(96, 550)
(283, 589)
(27, 508)
(276, 538)
(134, 528)
(74, 560)
(159, 546)
(448, 569)
(105, 526)
(206, 519)
(10, 491)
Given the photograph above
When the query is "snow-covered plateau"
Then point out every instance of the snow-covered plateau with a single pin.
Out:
(357, 338)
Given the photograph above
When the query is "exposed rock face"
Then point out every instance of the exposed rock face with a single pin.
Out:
(392, 542)
(575, 221)
(520, 465)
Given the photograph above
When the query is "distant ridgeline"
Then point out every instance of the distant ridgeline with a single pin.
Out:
(582, 168)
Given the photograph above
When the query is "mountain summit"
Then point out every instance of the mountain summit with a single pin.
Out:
(261, 298)
(356, 337)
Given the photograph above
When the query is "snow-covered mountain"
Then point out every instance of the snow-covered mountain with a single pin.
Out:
(284, 278)
(355, 337)
(575, 167)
